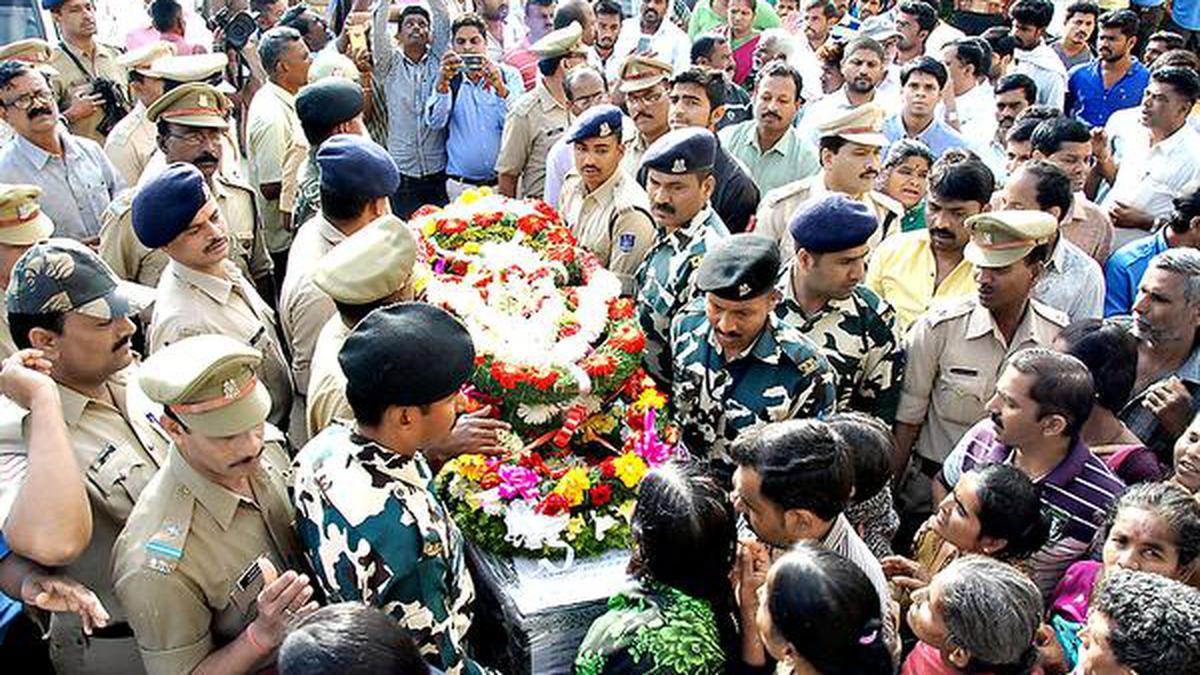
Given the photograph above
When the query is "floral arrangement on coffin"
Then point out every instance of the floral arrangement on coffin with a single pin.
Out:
(557, 356)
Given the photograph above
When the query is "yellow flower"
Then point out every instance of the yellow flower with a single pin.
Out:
(471, 247)
(484, 191)
(601, 423)
(469, 196)
(625, 510)
(573, 485)
(471, 467)
(574, 526)
(630, 468)
(650, 398)
(429, 228)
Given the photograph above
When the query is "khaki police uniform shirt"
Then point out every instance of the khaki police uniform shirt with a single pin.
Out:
(631, 163)
(779, 205)
(185, 565)
(612, 221)
(72, 81)
(326, 401)
(955, 354)
(272, 127)
(118, 450)
(193, 303)
(533, 124)
(132, 143)
(304, 308)
(7, 346)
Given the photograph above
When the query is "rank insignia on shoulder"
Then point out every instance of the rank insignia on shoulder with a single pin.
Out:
(432, 549)
(625, 242)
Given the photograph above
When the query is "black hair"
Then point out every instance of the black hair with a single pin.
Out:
(831, 143)
(712, 81)
(1184, 209)
(685, 535)
(1049, 136)
(548, 66)
(974, 52)
(903, 150)
(1110, 353)
(261, 5)
(1000, 39)
(803, 465)
(1010, 508)
(164, 14)
(1040, 112)
(1037, 13)
(1123, 19)
(826, 608)
(967, 181)
(704, 45)
(356, 313)
(468, 19)
(1022, 130)
(924, 64)
(867, 43)
(1181, 58)
(828, 8)
(1153, 622)
(11, 70)
(1053, 186)
(19, 326)
(924, 13)
(297, 17)
(1083, 7)
(1184, 81)
(1015, 81)
(1173, 40)
(1061, 385)
(349, 638)
(608, 7)
(785, 70)
(569, 12)
(869, 442)
(337, 205)
(1172, 503)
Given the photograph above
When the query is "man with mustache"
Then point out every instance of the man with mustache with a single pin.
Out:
(1115, 80)
(77, 179)
(606, 209)
(1165, 317)
(191, 125)
(131, 142)
(651, 34)
(679, 183)
(864, 66)
(850, 147)
(770, 148)
(735, 363)
(204, 543)
(823, 296)
(201, 291)
(80, 61)
(1014, 93)
(645, 84)
(1033, 57)
(1124, 269)
(1074, 47)
(73, 487)
(955, 352)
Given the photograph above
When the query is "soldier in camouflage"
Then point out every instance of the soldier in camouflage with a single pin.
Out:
(368, 519)
(679, 182)
(736, 364)
(824, 298)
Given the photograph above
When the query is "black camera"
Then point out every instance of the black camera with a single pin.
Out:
(238, 27)
(114, 103)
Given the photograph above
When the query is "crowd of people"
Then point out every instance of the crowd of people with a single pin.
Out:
(921, 281)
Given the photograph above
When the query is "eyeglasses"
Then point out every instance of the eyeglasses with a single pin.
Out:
(26, 101)
(197, 138)
(646, 99)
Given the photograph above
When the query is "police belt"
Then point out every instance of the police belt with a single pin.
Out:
(477, 182)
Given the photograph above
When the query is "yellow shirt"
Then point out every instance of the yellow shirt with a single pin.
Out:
(902, 271)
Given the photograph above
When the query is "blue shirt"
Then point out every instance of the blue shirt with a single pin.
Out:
(475, 116)
(1089, 101)
(939, 136)
(9, 608)
(1186, 13)
(1124, 269)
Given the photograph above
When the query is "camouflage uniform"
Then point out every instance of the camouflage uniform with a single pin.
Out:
(374, 531)
(666, 282)
(308, 195)
(858, 337)
(782, 377)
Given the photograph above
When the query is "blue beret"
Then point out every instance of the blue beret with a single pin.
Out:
(833, 223)
(741, 267)
(356, 165)
(166, 205)
(409, 353)
(52, 4)
(327, 103)
(598, 121)
(682, 151)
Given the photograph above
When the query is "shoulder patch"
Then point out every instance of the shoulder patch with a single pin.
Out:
(626, 241)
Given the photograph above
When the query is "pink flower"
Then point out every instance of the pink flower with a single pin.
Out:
(518, 481)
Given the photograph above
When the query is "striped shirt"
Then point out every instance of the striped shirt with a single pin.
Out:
(1075, 495)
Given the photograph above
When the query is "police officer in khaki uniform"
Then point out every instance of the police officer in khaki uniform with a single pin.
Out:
(201, 291)
(607, 210)
(187, 567)
(645, 85)
(539, 117)
(85, 68)
(195, 122)
(369, 270)
(22, 224)
(64, 301)
(130, 144)
(36, 53)
(955, 352)
(850, 147)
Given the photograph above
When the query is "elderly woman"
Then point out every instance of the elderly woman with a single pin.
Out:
(977, 616)
(905, 178)
(1142, 623)
(679, 618)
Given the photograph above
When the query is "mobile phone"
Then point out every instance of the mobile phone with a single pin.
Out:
(472, 63)
(643, 44)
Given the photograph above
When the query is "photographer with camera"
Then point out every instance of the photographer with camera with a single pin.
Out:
(471, 98)
(91, 89)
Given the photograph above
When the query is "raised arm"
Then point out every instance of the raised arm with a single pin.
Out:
(381, 39)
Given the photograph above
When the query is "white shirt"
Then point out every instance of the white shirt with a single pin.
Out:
(1072, 283)
(942, 35)
(1150, 177)
(1043, 66)
(976, 112)
(669, 44)
(833, 105)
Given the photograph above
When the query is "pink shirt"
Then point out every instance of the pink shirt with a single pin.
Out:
(144, 36)
(925, 660)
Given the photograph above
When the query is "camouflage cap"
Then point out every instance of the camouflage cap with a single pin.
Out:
(63, 275)
(195, 104)
(21, 219)
(1001, 238)
(208, 382)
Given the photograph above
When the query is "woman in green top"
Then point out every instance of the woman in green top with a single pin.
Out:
(710, 14)
(679, 617)
(905, 178)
